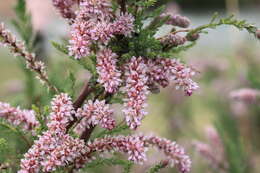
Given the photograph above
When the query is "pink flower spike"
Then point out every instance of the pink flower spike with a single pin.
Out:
(62, 110)
(80, 39)
(137, 91)
(65, 8)
(94, 113)
(135, 147)
(16, 116)
(164, 71)
(92, 9)
(50, 152)
(109, 76)
(124, 24)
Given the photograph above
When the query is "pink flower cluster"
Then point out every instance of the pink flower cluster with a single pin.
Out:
(96, 9)
(109, 76)
(173, 40)
(137, 145)
(247, 95)
(141, 72)
(95, 23)
(173, 151)
(213, 151)
(18, 48)
(65, 8)
(178, 20)
(136, 90)
(62, 110)
(132, 145)
(164, 71)
(124, 25)
(51, 151)
(18, 117)
(94, 113)
(54, 148)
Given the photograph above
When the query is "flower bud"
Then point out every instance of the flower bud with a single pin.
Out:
(178, 20)
(258, 33)
(173, 40)
(192, 37)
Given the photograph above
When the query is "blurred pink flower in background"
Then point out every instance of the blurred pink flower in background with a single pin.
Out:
(246, 95)
(42, 12)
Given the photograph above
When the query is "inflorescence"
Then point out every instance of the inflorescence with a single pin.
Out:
(95, 26)
(55, 148)
(130, 62)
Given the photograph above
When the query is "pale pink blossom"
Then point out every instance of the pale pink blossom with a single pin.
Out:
(85, 33)
(164, 71)
(51, 151)
(136, 90)
(213, 151)
(177, 20)
(102, 32)
(54, 148)
(65, 8)
(18, 48)
(62, 110)
(132, 145)
(94, 113)
(109, 76)
(124, 24)
(175, 153)
(247, 95)
(17, 117)
(80, 39)
(135, 147)
(101, 9)
(173, 40)
(95, 24)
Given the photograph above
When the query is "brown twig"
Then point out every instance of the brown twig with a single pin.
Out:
(79, 101)
(87, 133)
(122, 4)
(175, 32)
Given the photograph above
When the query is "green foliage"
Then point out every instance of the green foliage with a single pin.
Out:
(229, 133)
(87, 63)
(117, 130)
(4, 152)
(24, 27)
(70, 87)
(145, 3)
(251, 74)
(144, 44)
(41, 117)
(117, 98)
(3, 149)
(239, 24)
(15, 130)
(23, 23)
(156, 168)
(60, 47)
(177, 50)
(110, 162)
(3, 144)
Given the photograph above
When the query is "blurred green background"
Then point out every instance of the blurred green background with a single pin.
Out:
(226, 58)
